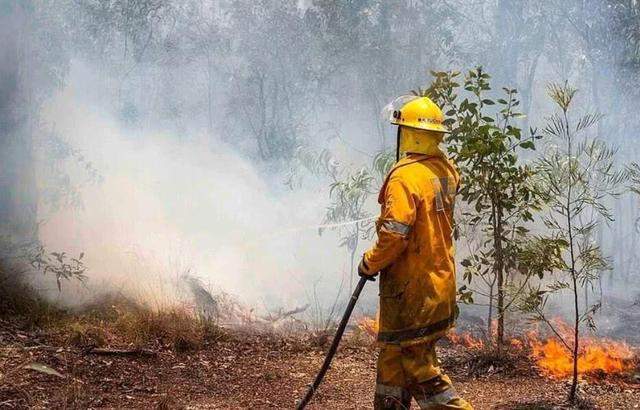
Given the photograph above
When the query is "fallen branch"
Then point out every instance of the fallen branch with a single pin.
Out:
(282, 314)
(122, 352)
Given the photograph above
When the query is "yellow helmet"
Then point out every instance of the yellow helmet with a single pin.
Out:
(415, 112)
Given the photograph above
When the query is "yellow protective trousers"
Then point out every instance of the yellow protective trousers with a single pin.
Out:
(406, 372)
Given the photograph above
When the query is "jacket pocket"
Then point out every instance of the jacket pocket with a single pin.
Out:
(392, 294)
(392, 289)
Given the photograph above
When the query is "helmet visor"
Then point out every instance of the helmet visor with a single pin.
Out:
(396, 105)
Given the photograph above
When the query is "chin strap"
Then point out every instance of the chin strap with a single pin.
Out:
(398, 145)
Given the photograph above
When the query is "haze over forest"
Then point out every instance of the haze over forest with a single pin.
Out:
(160, 138)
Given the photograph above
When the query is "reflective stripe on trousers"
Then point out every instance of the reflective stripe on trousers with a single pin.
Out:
(399, 393)
(390, 397)
(389, 391)
(438, 399)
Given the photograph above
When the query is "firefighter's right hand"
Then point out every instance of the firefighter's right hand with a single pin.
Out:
(363, 271)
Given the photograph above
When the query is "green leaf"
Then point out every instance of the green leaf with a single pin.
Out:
(528, 145)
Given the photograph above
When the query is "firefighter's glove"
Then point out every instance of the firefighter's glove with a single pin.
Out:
(363, 271)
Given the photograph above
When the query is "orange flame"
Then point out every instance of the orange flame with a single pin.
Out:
(516, 343)
(465, 339)
(369, 325)
(595, 356)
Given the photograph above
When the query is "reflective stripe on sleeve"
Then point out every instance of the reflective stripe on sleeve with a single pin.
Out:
(396, 227)
(438, 399)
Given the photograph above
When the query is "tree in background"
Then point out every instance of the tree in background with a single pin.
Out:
(634, 173)
(33, 64)
(634, 170)
(17, 208)
(596, 43)
(515, 33)
(486, 143)
(366, 43)
(577, 175)
(121, 37)
(200, 37)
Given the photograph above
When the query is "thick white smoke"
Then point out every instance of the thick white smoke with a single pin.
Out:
(168, 205)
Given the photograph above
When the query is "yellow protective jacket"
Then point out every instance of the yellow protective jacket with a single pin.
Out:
(414, 252)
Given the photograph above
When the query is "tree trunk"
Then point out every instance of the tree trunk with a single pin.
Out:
(499, 272)
(576, 344)
(572, 265)
(354, 266)
(507, 21)
(261, 134)
(210, 78)
(490, 315)
(17, 175)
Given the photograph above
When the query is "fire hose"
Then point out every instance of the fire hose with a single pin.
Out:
(334, 345)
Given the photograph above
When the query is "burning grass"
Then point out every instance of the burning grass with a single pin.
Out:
(465, 339)
(369, 326)
(598, 357)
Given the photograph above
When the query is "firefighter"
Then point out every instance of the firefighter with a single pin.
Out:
(414, 254)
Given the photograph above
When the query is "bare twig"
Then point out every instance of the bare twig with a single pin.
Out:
(122, 352)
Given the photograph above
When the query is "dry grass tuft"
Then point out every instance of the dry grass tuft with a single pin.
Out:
(167, 403)
(19, 300)
(174, 327)
(118, 321)
(84, 334)
(489, 360)
(112, 320)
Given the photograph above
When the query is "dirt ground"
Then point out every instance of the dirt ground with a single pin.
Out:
(248, 370)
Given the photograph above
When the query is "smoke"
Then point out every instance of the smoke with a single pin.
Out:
(168, 126)
(168, 205)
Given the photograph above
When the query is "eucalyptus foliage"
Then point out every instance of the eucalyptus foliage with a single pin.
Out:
(634, 172)
(486, 144)
(59, 264)
(349, 196)
(577, 175)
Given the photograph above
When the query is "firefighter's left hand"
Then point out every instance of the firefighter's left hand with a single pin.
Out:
(363, 272)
